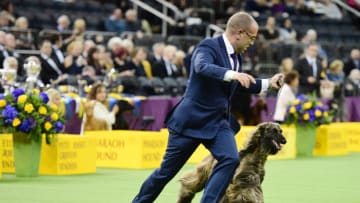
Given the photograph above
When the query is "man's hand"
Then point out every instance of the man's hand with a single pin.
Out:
(276, 81)
(244, 79)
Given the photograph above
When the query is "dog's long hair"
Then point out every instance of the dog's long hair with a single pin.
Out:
(246, 183)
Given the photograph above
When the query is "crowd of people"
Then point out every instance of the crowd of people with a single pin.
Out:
(67, 55)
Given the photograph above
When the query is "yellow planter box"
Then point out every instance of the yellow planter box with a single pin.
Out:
(330, 140)
(68, 155)
(7, 154)
(1, 153)
(351, 132)
(129, 149)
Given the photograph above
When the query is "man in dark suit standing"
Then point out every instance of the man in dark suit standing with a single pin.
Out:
(203, 115)
(309, 68)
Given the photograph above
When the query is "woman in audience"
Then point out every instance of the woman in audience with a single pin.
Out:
(97, 114)
(287, 94)
(24, 38)
(74, 61)
(287, 65)
(93, 59)
(287, 32)
(55, 99)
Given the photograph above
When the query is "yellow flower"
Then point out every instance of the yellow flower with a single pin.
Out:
(296, 102)
(306, 116)
(42, 110)
(54, 116)
(36, 91)
(54, 107)
(29, 108)
(326, 114)
(2, 103)
(307, 105)
(292, 109)
(318, 113)
(22, 99)
(16, 122)
(47, 126)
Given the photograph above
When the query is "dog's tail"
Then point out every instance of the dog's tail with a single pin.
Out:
(194, 181)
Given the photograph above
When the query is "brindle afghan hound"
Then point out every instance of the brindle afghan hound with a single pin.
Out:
(245, 186)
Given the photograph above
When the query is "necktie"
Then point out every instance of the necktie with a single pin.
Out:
(235, 60)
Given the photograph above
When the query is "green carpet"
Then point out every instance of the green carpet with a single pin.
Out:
(315, 180)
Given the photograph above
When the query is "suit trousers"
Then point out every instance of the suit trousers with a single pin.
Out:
(179, 149)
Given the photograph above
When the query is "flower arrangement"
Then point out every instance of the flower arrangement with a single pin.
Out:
(28, 112)
(307, 110)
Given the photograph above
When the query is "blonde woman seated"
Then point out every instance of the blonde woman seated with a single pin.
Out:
(287, 94)
(97, 115)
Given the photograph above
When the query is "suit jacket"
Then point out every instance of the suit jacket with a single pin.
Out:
(349, 66)
(48, 72)
(305, 70)
(205, 106)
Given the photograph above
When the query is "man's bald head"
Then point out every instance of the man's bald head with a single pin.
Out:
(240, 20)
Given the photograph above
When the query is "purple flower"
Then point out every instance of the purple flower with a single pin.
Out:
(302, 97)
(9, 112)
(25, 126)
(44, 97)
(312, 115)
(58, 126)
(16, 93)
(1, 96)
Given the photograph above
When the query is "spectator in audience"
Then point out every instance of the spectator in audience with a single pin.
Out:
(105, 58)
(309, 68)
(93, 60)
(78, 32)
(277, 7)
(179, 62)
(114, 43)
(287, 65)
(288, 33)
(74, 61)
(50, 72)
(286, 95)
(24, 37)
(88, 44)
(7, 8)
(271, 35)
(353, 62)
(57, 44)
(137, 57)
(97, 110)
(63, 23)
(132, 23)
(330, 10)
(311, 36)
(335, 72)
(89, 75)
(4, 20)
(352, 83)
(166, 68)
(55, 99)
(9, 50)
(120, 62)
(157, 52)
(128, 44)
(115, 22)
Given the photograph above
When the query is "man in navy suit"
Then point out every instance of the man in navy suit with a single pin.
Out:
(203, 115)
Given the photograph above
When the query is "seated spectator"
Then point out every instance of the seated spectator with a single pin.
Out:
(137, 57)
(353, 62)
(50, 73)
(115, 22)
(179, 62)
(78, 32)
(286, 95)
(270, 34)
(167, 67)
(88, 44)
(57, 45)
(9, 50)
(352, 83)
(157, 53)
(277, 7)
(74, 61)
(93, 60)
(7, 8)
(55, 99)
(132, 23)
(335, 72)
(63, 23)
(2, 41)
(288, 33)
(330, 10)
(24, 37)
(89, 75)
(97, 115)
(287, 65)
